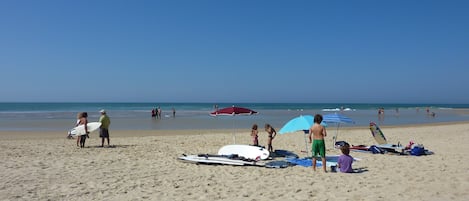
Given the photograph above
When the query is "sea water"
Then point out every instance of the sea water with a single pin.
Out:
(137, 116)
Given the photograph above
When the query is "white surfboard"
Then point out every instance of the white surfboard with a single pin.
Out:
(392, 147)
(246, 151)
(80, 130)
(214, 160)
(382, 143)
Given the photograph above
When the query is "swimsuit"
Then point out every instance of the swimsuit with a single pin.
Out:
(318, 147)
(269, 142)
(255, 140)
(103, 133)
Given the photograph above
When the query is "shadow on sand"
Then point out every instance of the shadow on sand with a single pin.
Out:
(360, 170)
(111, 146)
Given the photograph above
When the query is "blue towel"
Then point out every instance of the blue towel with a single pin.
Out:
(305, 162)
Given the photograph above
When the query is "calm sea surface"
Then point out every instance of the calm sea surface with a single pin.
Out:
(137, 116)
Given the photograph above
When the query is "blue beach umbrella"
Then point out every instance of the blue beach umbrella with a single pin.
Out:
(338, 119)
(301, 123)
(297, 124)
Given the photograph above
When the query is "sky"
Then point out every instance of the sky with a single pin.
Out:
(270, 51)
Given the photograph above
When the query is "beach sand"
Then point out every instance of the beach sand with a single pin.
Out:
(143, 165)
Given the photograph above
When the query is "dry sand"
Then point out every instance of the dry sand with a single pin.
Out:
(143, 165)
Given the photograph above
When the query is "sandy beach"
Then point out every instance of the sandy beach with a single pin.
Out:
(143, 165)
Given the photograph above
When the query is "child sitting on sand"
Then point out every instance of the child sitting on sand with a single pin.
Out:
(345, 160)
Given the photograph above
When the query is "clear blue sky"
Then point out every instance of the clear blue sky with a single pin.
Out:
(235, 51)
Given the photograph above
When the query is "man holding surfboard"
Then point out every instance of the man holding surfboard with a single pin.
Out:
(83, 121)
(104, 129)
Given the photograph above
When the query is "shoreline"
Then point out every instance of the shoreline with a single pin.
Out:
(189, 118)
(23, 135)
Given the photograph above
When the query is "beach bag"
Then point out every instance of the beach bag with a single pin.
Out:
(339, 144)
(375, 150)
(417, 151)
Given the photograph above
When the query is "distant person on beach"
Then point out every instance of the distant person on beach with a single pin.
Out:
(271, 135)
(79, 116)
(104, 128)
(381, 115)
(153, 113)
(174, 112)
(254, 136)
(381, 111)
(317, 132)
(158, 112)
(345, 160)
(83, 121)
(430, 114)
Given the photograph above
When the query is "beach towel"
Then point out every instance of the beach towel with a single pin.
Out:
(307, 162)
(376, 150)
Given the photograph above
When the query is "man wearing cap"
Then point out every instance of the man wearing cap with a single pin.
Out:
(104, 129)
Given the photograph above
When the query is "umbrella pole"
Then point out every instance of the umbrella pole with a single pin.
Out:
(336, 134)
(234, 135)
(306, 145)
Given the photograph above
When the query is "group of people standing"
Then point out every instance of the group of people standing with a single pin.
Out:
(156, 112)
(271, 135)
(82, 119)
(317, 133)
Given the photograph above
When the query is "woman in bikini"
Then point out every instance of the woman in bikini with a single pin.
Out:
(254, 136)
(271, 135)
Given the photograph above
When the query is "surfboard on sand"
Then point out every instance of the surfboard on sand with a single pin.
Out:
(377, 133)
(216, 159)
(246, 151)
(80, 130)
(381, 140)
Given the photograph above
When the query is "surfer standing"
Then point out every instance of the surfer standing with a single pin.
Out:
(84, 122)
(318, 132)
(79, 116)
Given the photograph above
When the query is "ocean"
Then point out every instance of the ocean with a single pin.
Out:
(137, 116)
